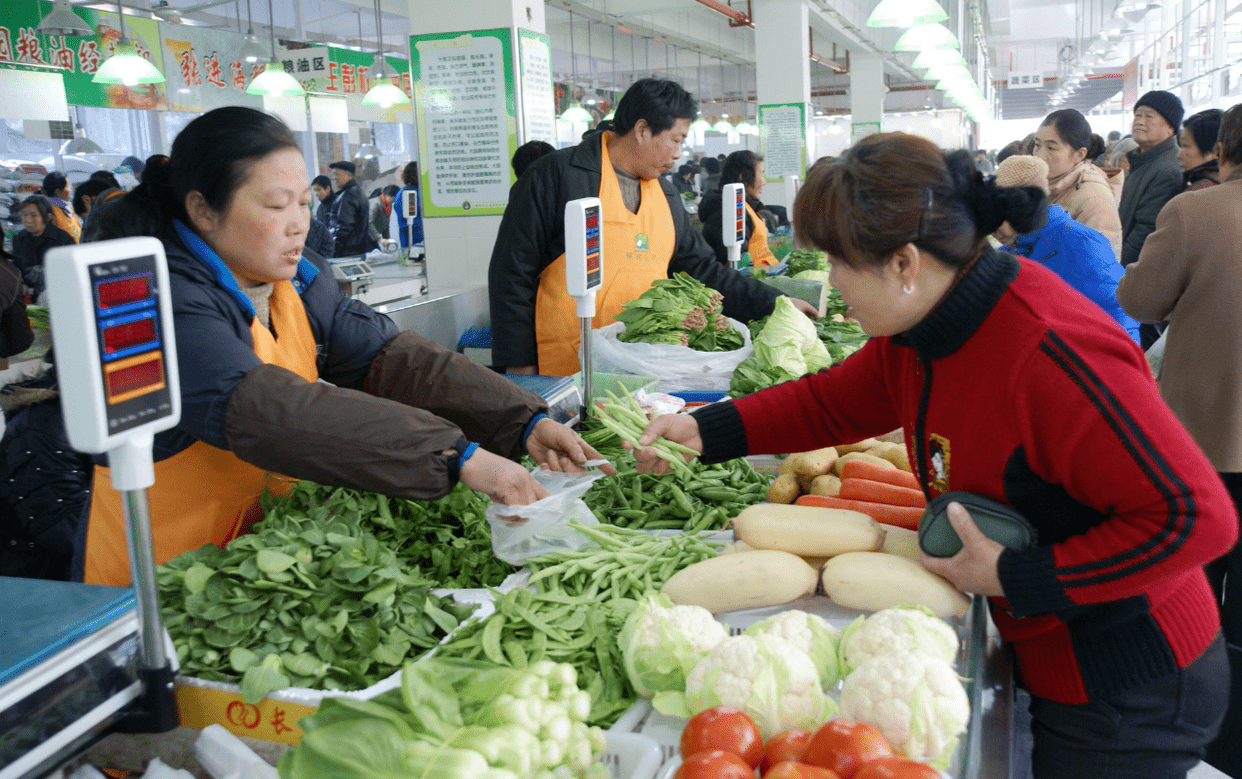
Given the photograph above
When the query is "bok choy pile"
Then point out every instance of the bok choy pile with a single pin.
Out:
(681, 311)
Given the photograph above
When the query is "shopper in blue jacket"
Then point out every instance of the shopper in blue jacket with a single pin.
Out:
(1083, 257)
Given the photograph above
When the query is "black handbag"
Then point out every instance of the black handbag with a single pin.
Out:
(995, 520)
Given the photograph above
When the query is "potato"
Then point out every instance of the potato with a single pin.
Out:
(789, 463)
(894, 453)
(828, 484)
(861, 446)
(784, 489)
(815, 463)
(845, 458)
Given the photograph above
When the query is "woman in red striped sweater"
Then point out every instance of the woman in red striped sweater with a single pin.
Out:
(1009, 385)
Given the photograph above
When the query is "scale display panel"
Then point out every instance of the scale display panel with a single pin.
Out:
(739, 210)
(593, 246)
(133, 366)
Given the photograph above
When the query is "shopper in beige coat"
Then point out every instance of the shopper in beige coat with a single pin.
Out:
(1066, 143)
(1188, 273)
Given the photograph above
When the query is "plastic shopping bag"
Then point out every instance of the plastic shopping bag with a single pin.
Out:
(1155, 354)
(546, 528)
(679, 368)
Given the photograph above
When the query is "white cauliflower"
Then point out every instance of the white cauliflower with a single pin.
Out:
(661, 643)
(770, 679)
(896, 631)
(916, 700)
(808, 632)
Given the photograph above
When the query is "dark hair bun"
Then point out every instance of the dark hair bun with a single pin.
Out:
(990, 205)
(1096, 148)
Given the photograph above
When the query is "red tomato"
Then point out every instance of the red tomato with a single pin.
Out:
(723, 727)
(897, 768)
(846, 746)
(791, 770)
(714, 764)
(784, 747)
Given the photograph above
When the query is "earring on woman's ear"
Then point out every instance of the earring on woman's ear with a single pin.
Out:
(907, 289)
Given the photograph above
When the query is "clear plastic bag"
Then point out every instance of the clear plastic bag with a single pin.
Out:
(1155, 354)
(679, 368)
(546, 528)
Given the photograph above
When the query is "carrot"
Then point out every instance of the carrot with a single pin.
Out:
(862, 469)
(879, 492)
(901, 516)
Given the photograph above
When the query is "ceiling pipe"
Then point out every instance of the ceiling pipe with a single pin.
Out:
(830, 63)
(736, 17)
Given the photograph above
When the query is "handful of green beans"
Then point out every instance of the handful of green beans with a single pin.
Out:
(628, 420)
(580, 601)
(702, 497)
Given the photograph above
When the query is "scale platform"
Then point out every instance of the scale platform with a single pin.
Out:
(563, 396)
(68, 666)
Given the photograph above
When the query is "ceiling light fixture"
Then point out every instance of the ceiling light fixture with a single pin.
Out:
(385, 93)
(926, 36)
(126, 66)
(274, 81)
(930, 58)
(63, 21)
(251, 49)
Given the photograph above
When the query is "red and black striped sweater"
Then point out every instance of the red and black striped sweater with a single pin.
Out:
(1019, 389)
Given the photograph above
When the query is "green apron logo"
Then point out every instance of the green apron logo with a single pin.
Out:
(640, 242)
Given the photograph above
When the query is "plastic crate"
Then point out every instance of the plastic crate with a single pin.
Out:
(617, 383)
(631, 756)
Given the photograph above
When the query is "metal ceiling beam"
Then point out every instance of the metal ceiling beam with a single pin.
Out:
(648, 31)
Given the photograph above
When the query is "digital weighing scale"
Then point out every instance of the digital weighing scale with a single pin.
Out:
(562, 395)
(733, 226)
(353, 275)
(78, 661)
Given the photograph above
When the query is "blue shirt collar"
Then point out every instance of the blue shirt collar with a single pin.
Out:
(225, 278)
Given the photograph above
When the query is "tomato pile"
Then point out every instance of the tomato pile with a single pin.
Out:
(724, 743)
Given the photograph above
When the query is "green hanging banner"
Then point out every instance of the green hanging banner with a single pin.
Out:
(80, 58)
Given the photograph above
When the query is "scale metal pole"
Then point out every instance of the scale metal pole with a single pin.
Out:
(142, 568)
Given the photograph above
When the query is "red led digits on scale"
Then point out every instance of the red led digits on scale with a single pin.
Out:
(126, 381)
(120, 337)
(592, 220)
(122, 291)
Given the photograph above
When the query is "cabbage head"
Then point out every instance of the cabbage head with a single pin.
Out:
(662, 643)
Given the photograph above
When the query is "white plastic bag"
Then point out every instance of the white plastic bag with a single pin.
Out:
(546, 528)
(679, 368)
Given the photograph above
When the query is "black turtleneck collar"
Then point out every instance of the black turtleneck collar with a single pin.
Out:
(951, 324)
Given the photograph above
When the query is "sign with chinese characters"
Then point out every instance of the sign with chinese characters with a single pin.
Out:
(467, 132)
(538, 100)
(81, 57)
(1026, 79)
(782, 135)
(269, 720)
(202, 74)
(349, 75)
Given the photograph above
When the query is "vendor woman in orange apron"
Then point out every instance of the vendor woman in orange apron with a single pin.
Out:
(646, 234)
(258, 324)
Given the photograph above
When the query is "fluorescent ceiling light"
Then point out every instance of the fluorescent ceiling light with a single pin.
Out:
(906, 13)
(274, 82)
(126, 66)
(723, 126)
(385, 95)
(577, 114)
(926, 36)
(930, 58)
(63, 21)
(700, 125)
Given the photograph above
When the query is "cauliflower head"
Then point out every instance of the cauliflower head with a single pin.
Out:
(767, 677)
(915, 699)
(808, 632)
(661, 643)
(895, 631)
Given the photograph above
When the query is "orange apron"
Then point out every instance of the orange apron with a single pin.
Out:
(636, 248)
(757, 246)
(202, 495)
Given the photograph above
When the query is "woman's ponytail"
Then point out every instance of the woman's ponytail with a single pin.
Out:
(991, 206)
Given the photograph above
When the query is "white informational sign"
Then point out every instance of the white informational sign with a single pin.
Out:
(465, 102)
(33, 96)
(328, 114)
(305, 63)
(538, 101)
(290, 108)
(1021, 79)
(782, 129)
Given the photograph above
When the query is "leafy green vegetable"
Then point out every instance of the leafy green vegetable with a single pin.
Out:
(37, 316)
(806, 259)
(786, 348)
(309, 599)
(813, 275)
(448, 540)
(680, 311)
(455, 719)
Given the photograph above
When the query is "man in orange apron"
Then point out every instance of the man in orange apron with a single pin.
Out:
(646, 234)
